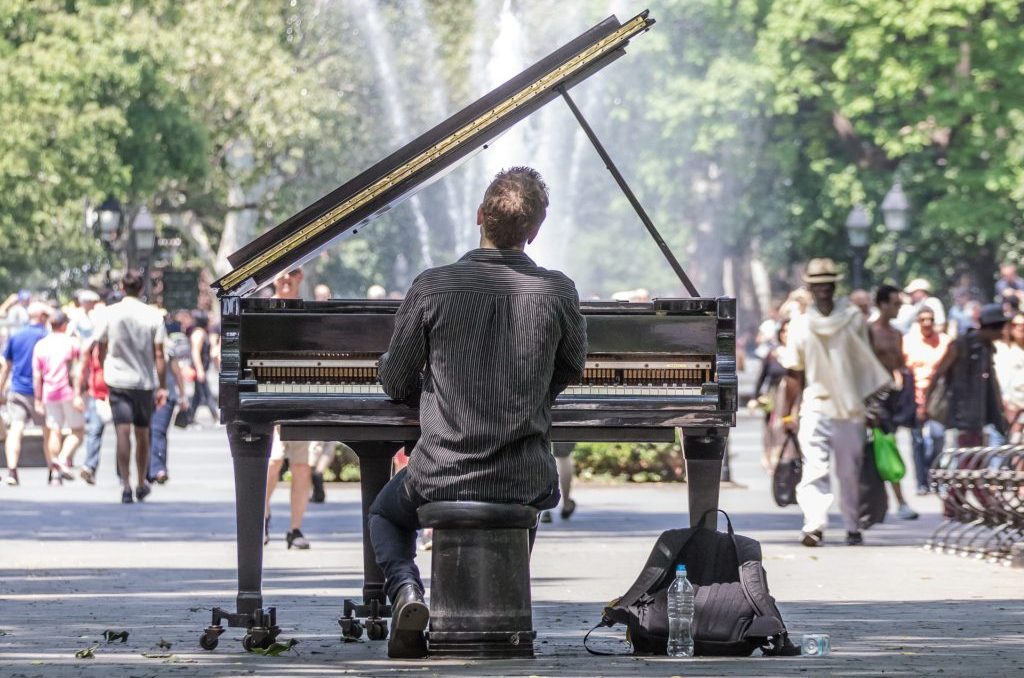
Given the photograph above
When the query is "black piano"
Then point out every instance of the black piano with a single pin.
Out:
(310, 367)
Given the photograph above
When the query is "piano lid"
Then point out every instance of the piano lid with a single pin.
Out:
(413, 166)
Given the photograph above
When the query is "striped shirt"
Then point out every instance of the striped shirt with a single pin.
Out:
(485, 344)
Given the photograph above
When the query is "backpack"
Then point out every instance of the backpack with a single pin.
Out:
(734, 612)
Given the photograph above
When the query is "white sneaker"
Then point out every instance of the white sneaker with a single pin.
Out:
(904, 512)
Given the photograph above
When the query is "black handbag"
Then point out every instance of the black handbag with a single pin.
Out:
(181, 418)
(789, 469)
(937, 405)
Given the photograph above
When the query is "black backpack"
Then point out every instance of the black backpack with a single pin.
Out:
(734, 613)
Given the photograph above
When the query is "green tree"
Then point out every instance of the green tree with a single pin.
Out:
(87, 113)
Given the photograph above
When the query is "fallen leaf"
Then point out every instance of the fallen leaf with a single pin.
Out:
(157, 655)
(87, 653)
(276, 648)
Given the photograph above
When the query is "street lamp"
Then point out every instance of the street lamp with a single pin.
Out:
(109, 220)
(896, 212)
(858, 225)
(144, 240)
(144, 232)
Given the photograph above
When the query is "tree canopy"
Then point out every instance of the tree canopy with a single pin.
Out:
(749, 128)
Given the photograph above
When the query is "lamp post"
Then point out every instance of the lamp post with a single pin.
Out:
(143, 237)
(858, 224)
(896, 213)
(108, 220)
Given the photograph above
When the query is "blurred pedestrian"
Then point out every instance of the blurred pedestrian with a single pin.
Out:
(922, 351)
(566, 471)
(162, 416)
(769, 398)
(831, 362)
(300, 454)
(97, 409)
(21, 406)
(53, 360)
(1009, 364)
(14, 310)
(1009, 285)
(83, 322)
(131, 337)
(199, 340)
(973, 399)
(887, 343)
(862, 300)
(920, 292)
(321, 292)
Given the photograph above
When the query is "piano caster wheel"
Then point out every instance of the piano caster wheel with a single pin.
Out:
(208, 641)
(377, 630)
(258, 640)
(351, 629)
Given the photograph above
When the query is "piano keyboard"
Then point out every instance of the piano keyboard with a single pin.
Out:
(576, 390)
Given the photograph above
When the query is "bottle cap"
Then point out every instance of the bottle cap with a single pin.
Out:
(681, 568)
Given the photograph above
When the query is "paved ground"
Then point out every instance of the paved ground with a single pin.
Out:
(74, 563)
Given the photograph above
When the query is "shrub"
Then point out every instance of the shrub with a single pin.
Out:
(630, 462)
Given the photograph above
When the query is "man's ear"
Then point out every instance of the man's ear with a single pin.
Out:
(480, 215)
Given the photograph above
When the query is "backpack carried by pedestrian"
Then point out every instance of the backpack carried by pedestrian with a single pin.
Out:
(734, 612)
(788, 472)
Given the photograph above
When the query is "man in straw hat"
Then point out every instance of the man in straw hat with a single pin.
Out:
(920, 292)
(830, 360)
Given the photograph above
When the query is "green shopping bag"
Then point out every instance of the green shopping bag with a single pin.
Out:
(887, 456)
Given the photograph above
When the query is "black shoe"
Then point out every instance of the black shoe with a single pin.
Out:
(854, 539)
(812, 538)
(126, 496)
(319, 496)
(409, 619)
(545, 517)
(142, 491)
(266, 530)
(296, 540)
(568, 508)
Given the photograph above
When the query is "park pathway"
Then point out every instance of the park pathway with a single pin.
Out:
(74, 563)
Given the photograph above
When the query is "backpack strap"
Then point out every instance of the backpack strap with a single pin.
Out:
(662, 559)
(601, 653)
(768, 622)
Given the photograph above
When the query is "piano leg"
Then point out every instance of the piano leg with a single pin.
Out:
(250, 452)
(374, 473)
(704, 452)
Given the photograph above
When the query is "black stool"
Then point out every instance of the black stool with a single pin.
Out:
(480, 579)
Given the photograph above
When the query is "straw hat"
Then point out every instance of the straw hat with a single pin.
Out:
(821, 270)
(918, 285)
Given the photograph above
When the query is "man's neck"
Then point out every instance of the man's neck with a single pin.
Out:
(486, 244)
(825, 308)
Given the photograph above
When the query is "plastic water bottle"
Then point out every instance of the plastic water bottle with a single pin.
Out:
(680, 615)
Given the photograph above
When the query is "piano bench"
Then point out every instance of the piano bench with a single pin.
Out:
(480, 603)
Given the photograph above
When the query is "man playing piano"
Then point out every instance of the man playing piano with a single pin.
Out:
(484, 345)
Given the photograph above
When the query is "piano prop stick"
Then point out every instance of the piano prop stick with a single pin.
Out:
(311, 367)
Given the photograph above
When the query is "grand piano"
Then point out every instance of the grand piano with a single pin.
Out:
(310, 367)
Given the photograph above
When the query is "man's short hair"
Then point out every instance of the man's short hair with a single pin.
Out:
(884, 294)
(58, 319)
(131, 282)
(514, 204)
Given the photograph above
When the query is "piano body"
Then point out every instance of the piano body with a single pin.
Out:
(310, 367)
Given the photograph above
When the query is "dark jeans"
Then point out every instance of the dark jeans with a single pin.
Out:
(93, 435)
(393, 523)
(202, 396)
(929, 439)
(158, 438)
